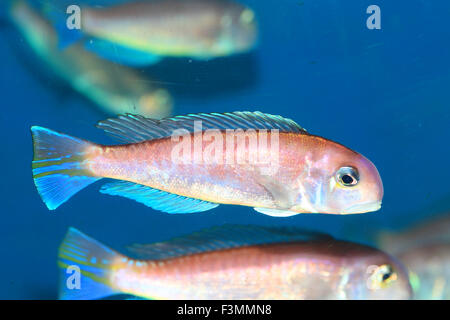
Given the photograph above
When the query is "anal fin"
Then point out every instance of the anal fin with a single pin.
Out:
(157, 199)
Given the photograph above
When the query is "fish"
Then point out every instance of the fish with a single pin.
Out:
(435, 229)
(424, 248)
(143, 32)
(193, 163)
(231, 262)
(428, 266)
(114, 88)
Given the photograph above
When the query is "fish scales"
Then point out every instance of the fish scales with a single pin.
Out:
(150, 163)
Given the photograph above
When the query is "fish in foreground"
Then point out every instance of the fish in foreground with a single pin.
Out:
(114, 88)
(142, 32)
(193, 163)
(232, 262)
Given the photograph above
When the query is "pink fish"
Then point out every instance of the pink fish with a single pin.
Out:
(232, 262)
(194, 163)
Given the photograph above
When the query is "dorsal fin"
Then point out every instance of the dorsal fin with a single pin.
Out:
(136, 128)
(221, 238)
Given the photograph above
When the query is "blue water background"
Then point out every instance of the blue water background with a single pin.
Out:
(384, 93)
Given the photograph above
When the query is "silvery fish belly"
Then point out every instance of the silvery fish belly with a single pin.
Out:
(233, 262)
(194, 163)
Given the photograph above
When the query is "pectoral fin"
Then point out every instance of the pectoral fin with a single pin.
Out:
(281, 194)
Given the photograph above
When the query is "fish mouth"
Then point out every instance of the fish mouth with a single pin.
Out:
(364, 207)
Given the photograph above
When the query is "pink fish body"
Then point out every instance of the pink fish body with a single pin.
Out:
(271, 164)
(272, 263)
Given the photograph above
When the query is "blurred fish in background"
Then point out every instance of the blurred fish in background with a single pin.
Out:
(425, 251)
(429, 270)
(143, 32)
(436, 229)
(234, 262)
(114, 88)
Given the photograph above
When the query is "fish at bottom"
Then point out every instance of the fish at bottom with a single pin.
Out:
(231, 262)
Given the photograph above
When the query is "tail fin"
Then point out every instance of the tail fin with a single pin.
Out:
(57, 166)
(86, 267)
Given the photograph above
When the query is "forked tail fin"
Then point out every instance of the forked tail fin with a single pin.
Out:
(58, 171)
(85, 267)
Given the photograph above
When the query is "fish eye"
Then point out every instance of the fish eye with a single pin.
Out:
(347, 176)
(387, 274)
(382, 276)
